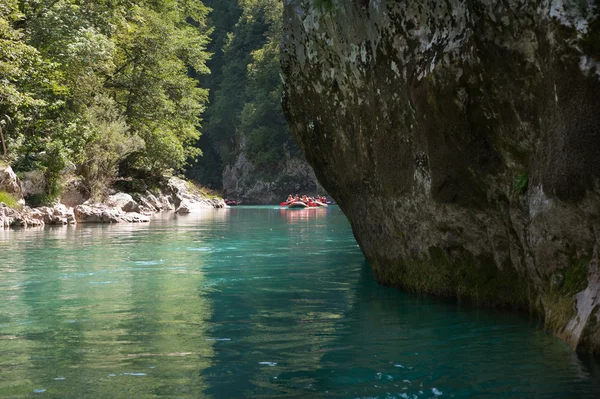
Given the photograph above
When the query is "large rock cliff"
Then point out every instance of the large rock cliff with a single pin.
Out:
(462, 140)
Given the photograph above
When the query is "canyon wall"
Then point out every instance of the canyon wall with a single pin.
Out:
(462, 140)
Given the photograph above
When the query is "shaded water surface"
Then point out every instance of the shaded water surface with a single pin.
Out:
(249, 302)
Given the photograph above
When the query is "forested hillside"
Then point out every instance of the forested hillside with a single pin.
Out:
(248, 149)
(94, 86)
(113, 89)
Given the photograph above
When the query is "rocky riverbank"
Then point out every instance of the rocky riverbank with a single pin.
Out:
(176, 195)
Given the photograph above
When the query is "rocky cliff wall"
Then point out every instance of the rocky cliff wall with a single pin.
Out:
(242, 181)
(462, 140)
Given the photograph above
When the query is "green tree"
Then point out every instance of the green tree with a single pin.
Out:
(263, 123)
(77, 75)
(208, 168)
(156, 49)
(245, 113)
(20, 65)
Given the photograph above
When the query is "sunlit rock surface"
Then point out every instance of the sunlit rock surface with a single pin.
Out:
(99, 213)
(182, 191)
(462, 140)
(9, 182)
(117, 208)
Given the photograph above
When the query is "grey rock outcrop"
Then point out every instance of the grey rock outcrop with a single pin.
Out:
(135, 217)
(9, 182)
(160, 202)
(60, 215)
(118, 208)
(33, 183)
(123, 202)
(4, 221)
(25, 217)
(96, 214)
(242, 181)
(57, 215)
(182, 191)
(184, 207)
(462, 140)
(74, 193)
(153, 201)
(146, 207)
(99, 213)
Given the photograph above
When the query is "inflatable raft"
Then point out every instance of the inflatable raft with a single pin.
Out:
(297, 205)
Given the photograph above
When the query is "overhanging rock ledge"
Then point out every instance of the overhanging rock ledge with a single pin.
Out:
(462, 140)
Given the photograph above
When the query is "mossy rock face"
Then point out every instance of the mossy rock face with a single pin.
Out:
(458, 275)
(462, 140)
(8, 200)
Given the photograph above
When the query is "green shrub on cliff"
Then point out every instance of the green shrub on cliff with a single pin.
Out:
(110, 143)
(8, 200)
(55, 161)
(521, 182)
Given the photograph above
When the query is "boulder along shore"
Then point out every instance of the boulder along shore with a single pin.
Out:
(176, 195)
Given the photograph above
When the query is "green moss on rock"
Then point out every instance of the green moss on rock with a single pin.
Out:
(9, 200)
(461, 276)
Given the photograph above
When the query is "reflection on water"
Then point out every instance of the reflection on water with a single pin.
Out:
(93, 310)
(302, 215)
(249, 302)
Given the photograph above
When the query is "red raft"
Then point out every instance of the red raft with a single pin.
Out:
(297, 205)
(301, 204)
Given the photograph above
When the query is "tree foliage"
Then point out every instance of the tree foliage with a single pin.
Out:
(120, 86)
(262, 121)
(245, 115)
(113, 77)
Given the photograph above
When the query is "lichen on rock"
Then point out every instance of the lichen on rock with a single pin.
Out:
(462, 140)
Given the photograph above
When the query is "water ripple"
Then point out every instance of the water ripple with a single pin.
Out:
(250, 302)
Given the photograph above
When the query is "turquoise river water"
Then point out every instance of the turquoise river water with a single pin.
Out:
(250, 302)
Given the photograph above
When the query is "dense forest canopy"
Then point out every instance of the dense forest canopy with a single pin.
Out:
(244, 115)
(121, 86)
(115, 87)
(92, 85)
